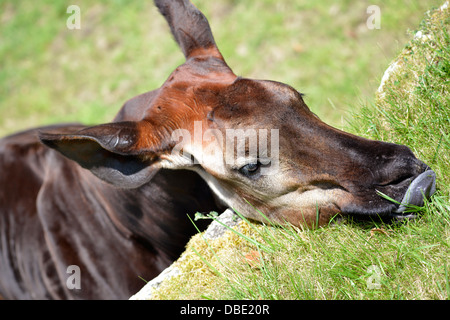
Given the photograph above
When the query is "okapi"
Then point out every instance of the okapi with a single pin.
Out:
(113, 199)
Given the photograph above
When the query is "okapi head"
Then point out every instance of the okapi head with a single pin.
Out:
(255, 143)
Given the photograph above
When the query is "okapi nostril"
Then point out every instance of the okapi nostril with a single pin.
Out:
(423, 186)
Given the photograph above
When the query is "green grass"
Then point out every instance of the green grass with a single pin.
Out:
(411, 260)
(350, 260)
(51, 74)
(335, 263)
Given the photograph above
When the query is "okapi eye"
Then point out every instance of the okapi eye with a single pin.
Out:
(250, 169)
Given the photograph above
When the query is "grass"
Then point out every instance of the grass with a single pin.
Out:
(350, 260)
(329, 263)
(50, 74)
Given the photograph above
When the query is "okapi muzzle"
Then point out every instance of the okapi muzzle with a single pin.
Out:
(255, 143)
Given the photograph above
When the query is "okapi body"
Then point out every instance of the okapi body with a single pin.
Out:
(113, 199)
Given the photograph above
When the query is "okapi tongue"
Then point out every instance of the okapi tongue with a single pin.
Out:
(424, 185)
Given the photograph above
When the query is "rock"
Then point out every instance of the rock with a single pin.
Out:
(218, 227)
(387, 74)
(146, 292)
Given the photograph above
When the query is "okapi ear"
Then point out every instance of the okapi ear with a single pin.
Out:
(110, 151)
(189, 27)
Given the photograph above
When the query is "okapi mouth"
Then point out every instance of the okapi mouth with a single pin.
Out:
(422, 187)
(401, 206)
